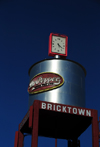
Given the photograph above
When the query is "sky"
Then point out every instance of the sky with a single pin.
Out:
(25, 26)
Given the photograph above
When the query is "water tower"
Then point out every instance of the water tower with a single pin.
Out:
(57, 99)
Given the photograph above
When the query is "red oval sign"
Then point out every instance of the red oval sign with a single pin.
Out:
(45, 81)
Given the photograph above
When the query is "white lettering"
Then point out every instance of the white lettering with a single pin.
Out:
(37, 81)
(40, 80)
(58, 80)
(33, 88)
(75, 110)
(59, 107)
(64, 109)
(43, 105)
(88, 112)
(81, 111)
(53, 107)
(31, 84)
(69, 108)
(44, 81)
(49, 107)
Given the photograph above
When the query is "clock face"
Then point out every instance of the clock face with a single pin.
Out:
(58, 44)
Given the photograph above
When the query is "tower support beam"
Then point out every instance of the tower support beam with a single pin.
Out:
(35, 124)
(19, 138)
(42, 116)
(95, 129)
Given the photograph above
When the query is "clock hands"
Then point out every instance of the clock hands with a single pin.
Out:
(59, 45)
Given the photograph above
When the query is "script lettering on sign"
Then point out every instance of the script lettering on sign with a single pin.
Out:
(45, 81)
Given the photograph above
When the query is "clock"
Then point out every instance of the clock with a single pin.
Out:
(58, 45)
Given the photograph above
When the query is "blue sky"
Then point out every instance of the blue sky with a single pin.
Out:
(25, 26)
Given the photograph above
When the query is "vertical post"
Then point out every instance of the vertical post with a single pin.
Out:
(99, 128)
(20, 139)
(74, 142)
(35, 124)
(30, 116)
(16, 139)
(95, 129)
(69, 143)
(55, 142)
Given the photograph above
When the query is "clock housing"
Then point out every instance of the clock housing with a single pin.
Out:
(58, 45)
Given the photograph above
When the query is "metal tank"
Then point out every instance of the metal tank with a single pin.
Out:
(72, 92)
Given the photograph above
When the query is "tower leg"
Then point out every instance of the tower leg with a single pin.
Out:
(74, 143)
(35, 124)
(55, 142)
(20, 139)
(69, 143)
(16, 139)
(95, 129)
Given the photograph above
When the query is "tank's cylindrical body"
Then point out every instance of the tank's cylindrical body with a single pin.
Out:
(72, 92)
